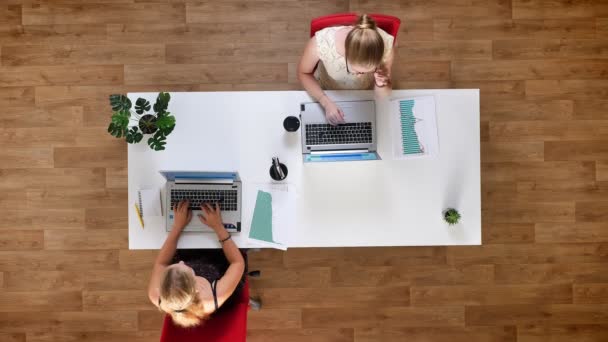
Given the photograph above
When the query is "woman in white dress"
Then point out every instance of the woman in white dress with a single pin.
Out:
(347, 57)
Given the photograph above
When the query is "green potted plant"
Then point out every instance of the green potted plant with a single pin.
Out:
(451, 216)
(132, 125)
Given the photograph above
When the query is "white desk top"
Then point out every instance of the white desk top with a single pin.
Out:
(364, 203)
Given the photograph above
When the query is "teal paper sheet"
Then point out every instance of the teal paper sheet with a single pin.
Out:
(261, 224)
(410, 142)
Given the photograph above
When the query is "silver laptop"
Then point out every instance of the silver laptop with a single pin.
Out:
(204, 187)
(353, 140)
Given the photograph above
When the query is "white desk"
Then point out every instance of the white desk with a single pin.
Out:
(364, 203)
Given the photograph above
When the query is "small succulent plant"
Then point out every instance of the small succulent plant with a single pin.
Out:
(451, 216)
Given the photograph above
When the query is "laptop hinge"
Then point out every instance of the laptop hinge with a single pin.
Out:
(338, 152)
(203, 181)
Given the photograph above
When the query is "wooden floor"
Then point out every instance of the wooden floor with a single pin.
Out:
(542, 66)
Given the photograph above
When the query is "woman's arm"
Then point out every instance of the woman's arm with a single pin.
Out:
(183, 215)
(230, 280)
(306, 68)
(382, 78)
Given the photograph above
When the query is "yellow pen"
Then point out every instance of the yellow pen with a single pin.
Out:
(141, 220)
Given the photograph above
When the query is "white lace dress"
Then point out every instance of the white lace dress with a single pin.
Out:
(331, 70)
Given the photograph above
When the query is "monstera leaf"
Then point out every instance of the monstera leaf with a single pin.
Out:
(162, 103)
(142, 105)
(120, 102)
(158, 141)
(165, 123)
(118, 126)
(134, 136)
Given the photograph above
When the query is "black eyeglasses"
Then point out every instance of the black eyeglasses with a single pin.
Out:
(357, 72)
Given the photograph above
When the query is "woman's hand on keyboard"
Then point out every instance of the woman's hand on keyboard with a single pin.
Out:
(212, 216)
(183, 214)
(333, 113)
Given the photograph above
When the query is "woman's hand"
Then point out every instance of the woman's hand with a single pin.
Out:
(212, 216)
(333, 113)
(381, 77)
(183, 215)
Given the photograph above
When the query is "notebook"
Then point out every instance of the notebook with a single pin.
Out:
(149, 202)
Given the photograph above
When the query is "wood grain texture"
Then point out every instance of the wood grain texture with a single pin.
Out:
(542, 70)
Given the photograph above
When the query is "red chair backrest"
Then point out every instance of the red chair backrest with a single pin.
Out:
(388, 23)
(228, 324)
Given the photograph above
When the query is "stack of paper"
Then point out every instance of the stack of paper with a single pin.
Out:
(273, 216)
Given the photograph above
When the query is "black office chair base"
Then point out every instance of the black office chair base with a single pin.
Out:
(254, 274)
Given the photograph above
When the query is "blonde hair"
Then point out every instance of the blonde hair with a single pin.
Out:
(179, 297)
(364, 46)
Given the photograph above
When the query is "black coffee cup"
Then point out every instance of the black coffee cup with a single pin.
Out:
(275, 173)
(291, 123)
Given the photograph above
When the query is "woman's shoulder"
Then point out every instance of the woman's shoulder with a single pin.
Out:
(388, 39)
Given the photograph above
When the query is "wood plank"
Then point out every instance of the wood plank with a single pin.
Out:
(484, 131)
(56, 178)
(58, 137)
(26, 157)
(538, 171)
(43, 281)
(61, 75)
(592, 211)
(500, 315)
(149, 320)
(491, 294)
(497, 233)
(551, 273)
(444, 50)
(558, 9)
(383, 317)
(571, 232)
(528, 254)
(68, 321)
(181, 33)
(301, 335)
(497, 29)
(12, 337)
(369, 256)
(437, 334)
(415, 30)
(590, 293)
(58, 260)
(42, 218)
(557, 191)
(51, 34)
(116, 177)
(76, 198)
(279, 277)
(239, 52)
(602, 27)
(105, 280)
(494, 90)
(562, 333)
(106, 218)
(566, 89)
(17, 96)
(45, 55)
(518, 110)
(353, 297)
(10, 14)
(601, 170)
(493, 152)
(76, 239)
(13, 199)
(116, 300)
(420, 9)
(274, 319)
(89, 157)
(36, 301)
(239, 11)
(576, 150)
(99, 13)
(422, 70)
(505, 70)
(549, 48)
(27, 117)
(96, 336)
(21, 240)
(205, 73)
(591, 109)
(411, 275)
(137, 260)
(561, 131)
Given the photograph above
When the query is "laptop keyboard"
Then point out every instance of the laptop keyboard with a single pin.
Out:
(226, 198)
(349, 133)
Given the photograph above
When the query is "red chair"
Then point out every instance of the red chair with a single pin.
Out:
(388, 23)
(228, 324)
